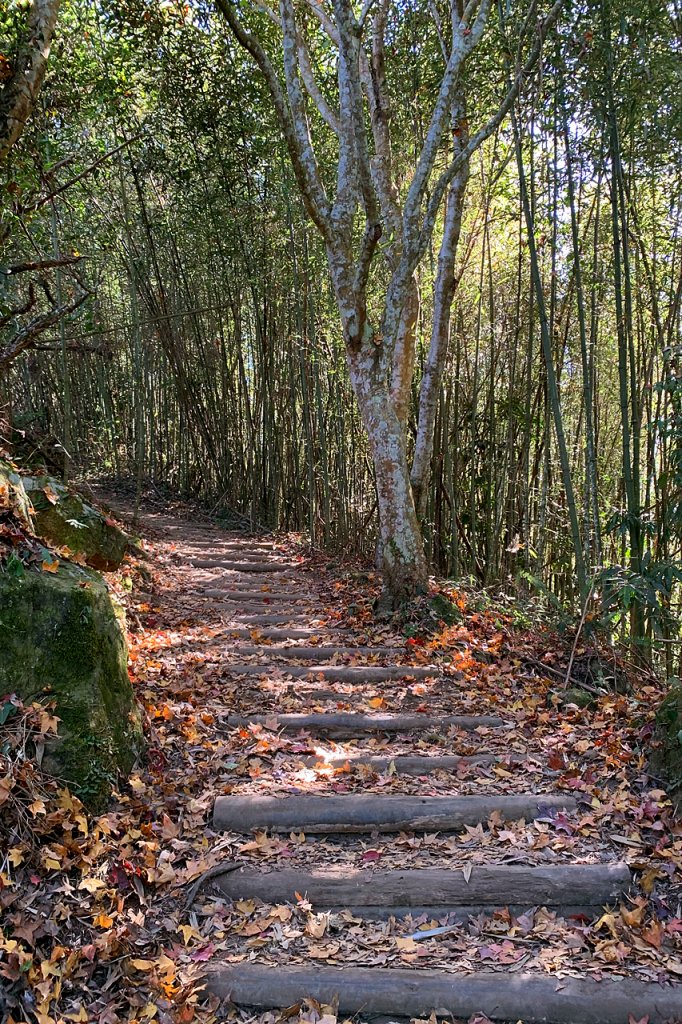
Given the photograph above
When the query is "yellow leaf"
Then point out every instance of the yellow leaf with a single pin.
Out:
(376, 702)
(188, 932)
(50, 566)
(92, 884)
(37, 807)
(16, 856)
(607, 921)
(49, 723)
(407, 945)
(281, 913)
(243, 906)
(103, 921)
(142, 965)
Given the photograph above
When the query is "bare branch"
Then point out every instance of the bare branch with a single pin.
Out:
(25, 335)
(435, 17)
(487, 130)
(49, 264)
(79, 177)
(364, 13)
(302, 158)
(20, 310)
(326, 112)
(350, 59)
(324, 20)
(462, 47)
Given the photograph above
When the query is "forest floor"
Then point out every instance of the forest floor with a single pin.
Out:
(117, 916)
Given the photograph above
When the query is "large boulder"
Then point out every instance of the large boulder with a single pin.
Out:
(61, 642)
(64, 518)
(668, 740)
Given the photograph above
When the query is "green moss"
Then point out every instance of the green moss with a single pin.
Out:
(668, 750)
(66, 519)
(581, 698)
(61, 641)
(445, 610)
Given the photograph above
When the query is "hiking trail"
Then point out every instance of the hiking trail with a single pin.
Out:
(404, 827)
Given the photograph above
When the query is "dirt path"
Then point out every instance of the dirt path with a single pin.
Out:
(404, 827)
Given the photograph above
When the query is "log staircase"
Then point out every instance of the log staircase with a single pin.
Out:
(255, 586)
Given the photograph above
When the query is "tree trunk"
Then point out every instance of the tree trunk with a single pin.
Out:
(401, 547)
(20, 93)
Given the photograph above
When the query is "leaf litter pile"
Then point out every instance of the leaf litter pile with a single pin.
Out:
(112, 917)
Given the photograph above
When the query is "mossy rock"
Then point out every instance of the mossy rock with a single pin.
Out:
(668, 750)
(444, 610)
(13, 497)
(581, 698)
(61, 641)
(64, 518)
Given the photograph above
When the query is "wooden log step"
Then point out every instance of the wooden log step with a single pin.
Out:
(219, 545)
(214, 555)
(345, 673)
(260, 618)
(326, 653)
(408, 764)
(501, 996)
(255, 609)
(461, 913)
(219, 550)
(248, 582)
(267, 567)
(347, 723)
(251, 598)
(494, 885)
(268, 588)
(245, 553)
(274, 634)
(254, 596)
(369, 812)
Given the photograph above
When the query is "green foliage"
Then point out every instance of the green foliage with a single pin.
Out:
(651, 589)
(233, 386)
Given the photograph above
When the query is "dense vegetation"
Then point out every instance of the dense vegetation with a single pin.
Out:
(186, 333)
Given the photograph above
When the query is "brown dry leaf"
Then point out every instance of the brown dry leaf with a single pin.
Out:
(316, 925)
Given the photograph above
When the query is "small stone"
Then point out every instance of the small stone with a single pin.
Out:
(581, 698)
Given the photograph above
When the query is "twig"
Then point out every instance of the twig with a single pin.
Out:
(577, 635)
(215, 872)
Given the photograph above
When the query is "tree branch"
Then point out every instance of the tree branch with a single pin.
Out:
(24, 337)
(302, 159)
(48, 264)
(19, 95)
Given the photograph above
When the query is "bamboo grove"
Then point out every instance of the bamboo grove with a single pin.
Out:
(205, 357)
